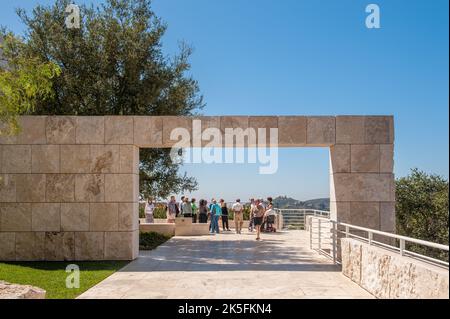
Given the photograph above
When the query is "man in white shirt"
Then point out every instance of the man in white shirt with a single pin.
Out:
(238, 210)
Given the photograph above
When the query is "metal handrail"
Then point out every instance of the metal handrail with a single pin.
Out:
(288, 212)
(370, 232)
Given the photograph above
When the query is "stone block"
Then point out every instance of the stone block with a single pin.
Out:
(266, 123)
(7, 188)
(7, 246)
(14, 291)
(362, 187)
(26, 245)
(90, 130)
(75, 159)
(30, 187)
(365, 214)
(46, 217)
(374, 267)
(16, 158)
(292, 131)
(129, 159)
(89, 246)
(32, 130)
(119, 130)
(387, 216)
(351, 259)
(104, 217)
(340, 158)
(61, 130)
(321, 131)
(15, 217)
(45, 159)
(171, 124)
(340, 211)
(386, 158)
(90, 188)
(234, 131)
(365, 158)
(379, 130)
(59, 246)
(74, 217)
(350, 129)
(128, 216)
(121, 187)
(105, 158)
(210, 125)
(119, 245)
(148, 131)
(60, 188)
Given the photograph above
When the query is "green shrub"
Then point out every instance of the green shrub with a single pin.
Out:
(422, 211)
(149, 241)
(141, 211)
(160, 212)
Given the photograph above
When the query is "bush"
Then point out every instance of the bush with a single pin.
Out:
(160, 212)
(245, 215)
(149, 241)
(422, 211)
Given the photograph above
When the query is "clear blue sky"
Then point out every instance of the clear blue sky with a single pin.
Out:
(267, 57)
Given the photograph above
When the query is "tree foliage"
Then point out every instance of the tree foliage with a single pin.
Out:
(422, 210)
(24, 82)
(114, 65)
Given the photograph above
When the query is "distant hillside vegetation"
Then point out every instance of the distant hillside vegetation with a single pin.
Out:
(287, 202)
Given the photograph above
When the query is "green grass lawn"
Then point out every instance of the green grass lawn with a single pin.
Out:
(51, 276)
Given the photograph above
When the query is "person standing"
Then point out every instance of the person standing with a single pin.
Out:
(238, 209)
(172, 210)
(187, 208)
(258, 213)
(149, 208)
(180, 205)
(203, 212)
(224, 209)
(216, 211)
(252, 207)
(194, 209)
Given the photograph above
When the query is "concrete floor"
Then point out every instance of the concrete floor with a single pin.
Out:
(230, 266)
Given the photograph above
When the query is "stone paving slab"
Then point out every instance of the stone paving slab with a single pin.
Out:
(228, 266)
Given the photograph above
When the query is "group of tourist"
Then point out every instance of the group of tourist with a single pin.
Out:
(260, 212)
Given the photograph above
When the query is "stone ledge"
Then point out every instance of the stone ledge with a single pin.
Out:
(388, 275)
(13, 291)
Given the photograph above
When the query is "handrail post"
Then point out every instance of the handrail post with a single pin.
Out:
(310, 234)
(370, 238)
(334, 235)
(320, 236)
(402, 247)
(347, 230)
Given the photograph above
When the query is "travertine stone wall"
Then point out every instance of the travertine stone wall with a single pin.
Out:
(386, 274)
(69, 185)
(68, 190)
(362, 180)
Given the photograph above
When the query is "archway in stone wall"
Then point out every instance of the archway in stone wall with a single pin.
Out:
(69, 185)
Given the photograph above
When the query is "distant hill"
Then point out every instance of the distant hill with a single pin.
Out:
(287, 202)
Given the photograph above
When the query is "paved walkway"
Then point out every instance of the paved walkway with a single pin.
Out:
(230, 266)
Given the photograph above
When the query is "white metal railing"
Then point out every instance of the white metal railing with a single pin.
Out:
(297, 216)
(325, 232)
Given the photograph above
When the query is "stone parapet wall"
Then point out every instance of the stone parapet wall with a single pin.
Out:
(386, 274)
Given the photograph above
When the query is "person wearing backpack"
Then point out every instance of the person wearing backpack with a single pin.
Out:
(216, 212)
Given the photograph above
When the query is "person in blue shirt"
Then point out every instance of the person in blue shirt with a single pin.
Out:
(216, 212)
